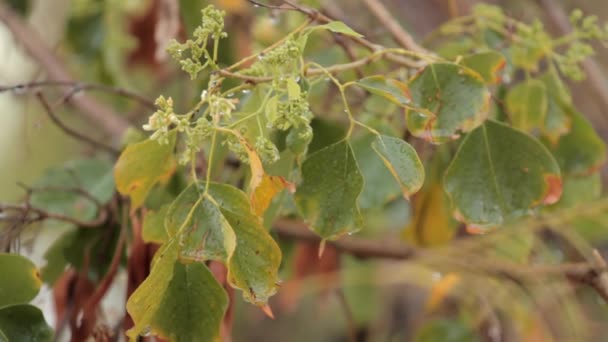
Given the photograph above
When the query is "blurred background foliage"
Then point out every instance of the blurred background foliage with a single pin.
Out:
(112, 42)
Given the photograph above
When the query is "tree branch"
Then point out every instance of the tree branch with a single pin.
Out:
(71, 132)
(385, 18)
(594, 274)
(100, 115)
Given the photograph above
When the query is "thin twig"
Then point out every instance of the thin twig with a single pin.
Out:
(76, 87)
(98, 113)
(399, 34)
(70, 131)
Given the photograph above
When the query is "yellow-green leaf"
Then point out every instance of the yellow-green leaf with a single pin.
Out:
(142, 165)
(391, 89)
(527, 103)
(339, 27)
(327, 197)
(154, 226)
(559, 103)
(20, 279)
(487, 64)
(447, 100)
(500, 173)
(145, 301)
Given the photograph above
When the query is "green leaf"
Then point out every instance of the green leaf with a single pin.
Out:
(145, 301)
(154, 226)
(487, 64)
(498, 174)
(20, 279)
(204, 233)
(448, 100)
(339, 27)
(527, 103)
(58, 189)
(446, 331)
(254, 265)
(327, 197)
(391, 89)
(581, 151)
(557, 120)
(23, 323)
(325, 133)
(377, 191)
(402, 161)
(192, 307)
(579, 190)
(142, 165)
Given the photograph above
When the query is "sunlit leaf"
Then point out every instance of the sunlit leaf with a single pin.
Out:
(339, 27)
(327, 197)
(526, 103)
(192, 307)
(448, 100)
(20, 279)
(580, 151)
(402, 161)
(265, 192)
(142, 165)
(24, 322)
(391, 89)
(145, 301)
(500, 173)
(488, 65)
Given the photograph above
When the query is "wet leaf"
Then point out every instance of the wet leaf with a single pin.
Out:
(24, 322)
(500, 173)
(145, 301)
(142, 165)
(265, 192)
(526, 103)
(327, 197)
(488, 65)
(391, 89)
(446, 101)
(581, 151)
(20, 279)
(402, 161)
(192, 307)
